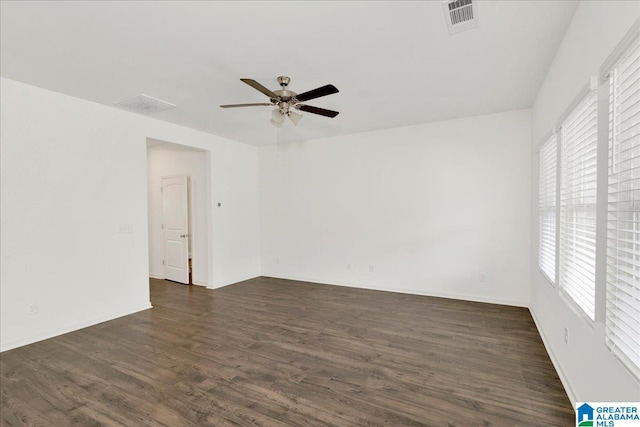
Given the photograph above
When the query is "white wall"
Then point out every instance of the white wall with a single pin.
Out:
(587, 369)
(72, 172)
(166, 162)
(431, 207)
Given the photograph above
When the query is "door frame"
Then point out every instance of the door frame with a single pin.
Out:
(207, 233)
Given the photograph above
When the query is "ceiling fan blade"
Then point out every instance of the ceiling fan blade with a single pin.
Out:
(317, 93)
(244, 105)
(257, 86)
(316, 110)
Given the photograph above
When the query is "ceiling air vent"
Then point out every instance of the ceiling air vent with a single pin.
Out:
(461, 15)
(144, 104)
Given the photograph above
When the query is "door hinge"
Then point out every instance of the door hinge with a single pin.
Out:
(162, 226)
(162, 262)
(162, 189)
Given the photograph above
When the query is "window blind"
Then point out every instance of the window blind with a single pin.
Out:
(577, 256)
(547, 208)
(622, 324)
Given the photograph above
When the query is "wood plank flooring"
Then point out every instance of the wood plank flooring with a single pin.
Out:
(270, 352)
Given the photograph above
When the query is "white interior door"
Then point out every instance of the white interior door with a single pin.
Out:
(176, 228)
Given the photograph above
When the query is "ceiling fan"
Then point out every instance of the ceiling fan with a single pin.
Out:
(285, 100)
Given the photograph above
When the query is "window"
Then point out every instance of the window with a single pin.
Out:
(547, 208)
(622, 324)
(577, 256)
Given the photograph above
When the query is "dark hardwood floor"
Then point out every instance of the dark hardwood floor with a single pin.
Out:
(272, 352)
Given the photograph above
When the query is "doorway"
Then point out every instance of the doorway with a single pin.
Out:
(178, 210)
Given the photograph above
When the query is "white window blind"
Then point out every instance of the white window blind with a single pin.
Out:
(622, 324)
(578, 168)
(547, 208)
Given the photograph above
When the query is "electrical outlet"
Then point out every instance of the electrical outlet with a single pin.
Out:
(349, 267)
(566, 336)
(32, 308)
(125, 228)
(371, 268)
(483, 277)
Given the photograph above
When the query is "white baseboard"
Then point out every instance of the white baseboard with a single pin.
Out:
(222, 284)
(156, 276)
(199, 281)
(563, 378)
(474, 298)
(71, 328)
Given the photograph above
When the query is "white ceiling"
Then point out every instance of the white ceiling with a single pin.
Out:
(394, 62)
(156, 144)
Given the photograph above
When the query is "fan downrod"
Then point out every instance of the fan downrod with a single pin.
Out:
(284, 96)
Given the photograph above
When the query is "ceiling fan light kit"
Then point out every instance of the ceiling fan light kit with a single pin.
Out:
(295, 117)
(283, 99)
(277, 118)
